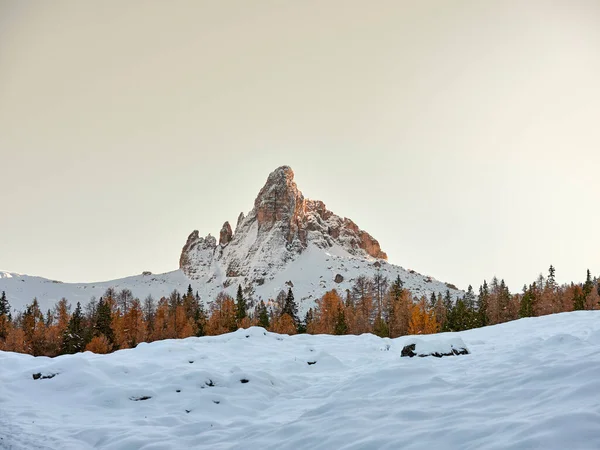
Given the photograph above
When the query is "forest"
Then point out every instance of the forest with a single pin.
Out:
(375, 305)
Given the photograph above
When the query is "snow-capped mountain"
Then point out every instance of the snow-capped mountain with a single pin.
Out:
(285, 241)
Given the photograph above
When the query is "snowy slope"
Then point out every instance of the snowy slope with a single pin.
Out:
(311, 274)
(527, 384)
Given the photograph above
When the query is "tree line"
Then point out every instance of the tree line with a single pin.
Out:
(375, 305)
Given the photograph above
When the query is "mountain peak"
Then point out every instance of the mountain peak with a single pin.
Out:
(281, 226)
(279, 201)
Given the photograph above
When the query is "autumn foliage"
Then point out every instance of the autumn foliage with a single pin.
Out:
(118, 320)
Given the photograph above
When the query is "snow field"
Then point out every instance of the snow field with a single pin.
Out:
(532, 383)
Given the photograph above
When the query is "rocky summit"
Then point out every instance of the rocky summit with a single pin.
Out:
(281, 225)
(283, 240)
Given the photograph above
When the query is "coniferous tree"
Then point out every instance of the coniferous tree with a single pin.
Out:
(5, 317)
(588, 286)
(240, 305)
(482, 305)
(308, 321)
(4, 306)
(432, 300)
(263, 315)
(103, 322)
(397, 288)
(469, 299)
(200, 317)
(526, 308)
(341, 327)
(290, 307)
(578, 299)
(73, 340)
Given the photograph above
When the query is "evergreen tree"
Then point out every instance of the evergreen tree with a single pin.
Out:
(340, 327)
(588, 286)
(526, 308)
(240, 305)
(551, 280)
(432, 300)
(459, 317)
(4, 306)
(308, 320)
(5, 317)
(263, 315)
(289, 307)
(448, 301)
(73, 340)
(397, 288)
(469, 299)
(482, 305)
(103, 322)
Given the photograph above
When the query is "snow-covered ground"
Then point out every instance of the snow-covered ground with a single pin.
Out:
(532, 383)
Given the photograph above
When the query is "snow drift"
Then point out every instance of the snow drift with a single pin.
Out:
(531, 383)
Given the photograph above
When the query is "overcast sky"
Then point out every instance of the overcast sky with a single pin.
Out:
(463, 135)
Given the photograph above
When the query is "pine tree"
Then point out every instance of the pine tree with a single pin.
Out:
(588, 286)
(551, 280)
(482, 305)
(341, 327)
(200, 318)
(263, 315)
(5, 317)
(73, 340)
(4, 306)
(397, 288)
(289, 307)
(103, 322)
(240, 305)
(469, 299)
(526, 309)
(432, 300)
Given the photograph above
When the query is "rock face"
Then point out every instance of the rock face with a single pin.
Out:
(282, 231)
(225, 235)
(282, 224)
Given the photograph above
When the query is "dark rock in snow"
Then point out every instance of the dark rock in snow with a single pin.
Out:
(139, 399)
(338, 278)
(435, 348)
(39, 376)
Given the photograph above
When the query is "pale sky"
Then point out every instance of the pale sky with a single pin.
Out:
(463, 135)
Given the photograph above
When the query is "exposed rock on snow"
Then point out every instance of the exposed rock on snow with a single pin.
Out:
(436, 347)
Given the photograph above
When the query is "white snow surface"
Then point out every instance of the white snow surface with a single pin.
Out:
(527, 384)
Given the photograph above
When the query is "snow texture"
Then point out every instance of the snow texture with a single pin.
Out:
(526, 384)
